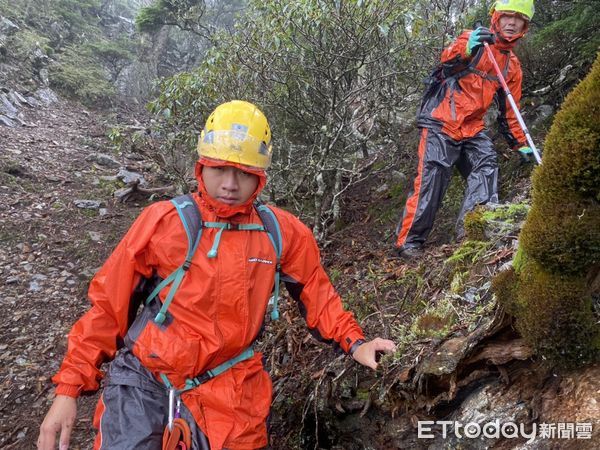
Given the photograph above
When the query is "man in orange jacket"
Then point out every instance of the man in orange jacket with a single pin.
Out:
(452, 127)
(214, 317)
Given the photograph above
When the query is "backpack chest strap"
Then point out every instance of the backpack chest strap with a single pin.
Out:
(271, 221)
(193, 225)
(222, 226)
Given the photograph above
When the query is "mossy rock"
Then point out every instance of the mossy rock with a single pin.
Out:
(572, 158)
(488, 221)
(469, 253)
(549, 293)
(563, 229)
(505, 287)
(475, 225)
(434, 325)
(565, 240)
(435, 322)
(554, 314)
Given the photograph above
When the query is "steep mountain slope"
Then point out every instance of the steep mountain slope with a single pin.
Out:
(459, 356)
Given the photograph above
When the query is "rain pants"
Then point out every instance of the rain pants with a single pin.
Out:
(217, 313)
(451, 119)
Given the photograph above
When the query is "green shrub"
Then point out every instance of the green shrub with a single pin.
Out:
(24, 43)
(79, 74)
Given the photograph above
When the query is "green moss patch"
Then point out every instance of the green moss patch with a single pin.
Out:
(548, 291)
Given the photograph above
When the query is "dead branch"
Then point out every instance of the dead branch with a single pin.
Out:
(134, 188)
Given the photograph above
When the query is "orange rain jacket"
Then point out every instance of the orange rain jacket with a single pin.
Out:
(460, 112)
(217, 313)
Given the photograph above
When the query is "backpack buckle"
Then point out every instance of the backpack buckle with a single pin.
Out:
(201, 379)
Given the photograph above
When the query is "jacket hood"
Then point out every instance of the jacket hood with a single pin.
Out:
(221, 209)
(503, 42)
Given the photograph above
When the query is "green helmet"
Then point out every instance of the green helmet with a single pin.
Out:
(524, 7)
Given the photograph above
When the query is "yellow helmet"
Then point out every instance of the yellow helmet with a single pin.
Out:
(237, 132)
(524, 7)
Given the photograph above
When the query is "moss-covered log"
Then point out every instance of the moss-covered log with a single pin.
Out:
(550, 293)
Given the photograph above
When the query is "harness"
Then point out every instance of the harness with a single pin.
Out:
(457, 69)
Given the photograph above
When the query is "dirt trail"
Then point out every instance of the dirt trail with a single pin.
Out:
(49, 249)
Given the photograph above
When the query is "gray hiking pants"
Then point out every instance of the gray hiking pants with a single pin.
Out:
(475, 159)
(136, 409)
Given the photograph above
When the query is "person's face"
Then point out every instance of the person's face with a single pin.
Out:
(228, 184)
(511, 24)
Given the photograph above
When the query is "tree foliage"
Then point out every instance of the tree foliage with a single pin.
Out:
(333, 78)
(339, 81)
(562, 45)
(85, 43)
(185, 14)
(113, 54)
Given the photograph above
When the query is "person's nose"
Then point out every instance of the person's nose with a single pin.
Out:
(230, 181)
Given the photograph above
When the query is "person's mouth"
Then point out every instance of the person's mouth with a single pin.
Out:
(228, 200)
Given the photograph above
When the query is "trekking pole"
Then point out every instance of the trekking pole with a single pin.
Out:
(511, 100)
(513, 105)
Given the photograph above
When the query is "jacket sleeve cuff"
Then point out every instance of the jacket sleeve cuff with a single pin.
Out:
(355, 345)
(68, 389)
(466, 54)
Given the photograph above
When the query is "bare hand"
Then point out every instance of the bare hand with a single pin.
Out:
(60, 417)
(365, 354)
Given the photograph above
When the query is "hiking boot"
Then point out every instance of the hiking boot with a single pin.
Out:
(410, 252)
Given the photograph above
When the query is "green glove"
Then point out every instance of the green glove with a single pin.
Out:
(526, 154)
(478, 37)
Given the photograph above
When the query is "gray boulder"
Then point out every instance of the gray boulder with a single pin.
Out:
(46, 95)
(8, 27)
(7, 108)
(7, 122)
(103, 159)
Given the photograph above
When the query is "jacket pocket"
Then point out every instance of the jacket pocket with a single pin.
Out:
(169, 347)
